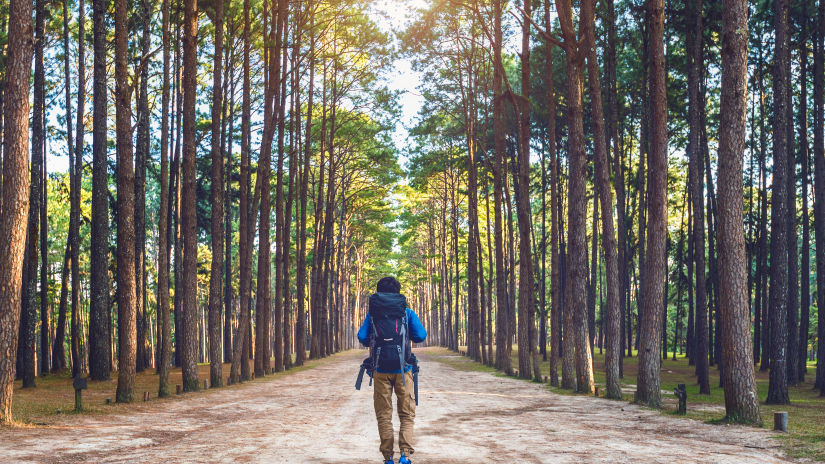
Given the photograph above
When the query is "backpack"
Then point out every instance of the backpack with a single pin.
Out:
(389, 337)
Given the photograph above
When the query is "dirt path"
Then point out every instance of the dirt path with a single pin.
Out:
(317, 416)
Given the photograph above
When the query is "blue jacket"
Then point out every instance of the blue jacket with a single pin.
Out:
(417, 334)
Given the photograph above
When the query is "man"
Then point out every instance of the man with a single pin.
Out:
(391, 325)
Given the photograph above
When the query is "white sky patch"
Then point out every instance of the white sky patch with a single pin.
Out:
(394, 16)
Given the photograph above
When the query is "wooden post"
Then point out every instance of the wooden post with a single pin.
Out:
(597, 392)
(79, 384)
(205, 384)
(780, 421)
(177, 389)
(681, 394)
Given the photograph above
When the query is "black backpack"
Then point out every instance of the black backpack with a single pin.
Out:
(389, 337)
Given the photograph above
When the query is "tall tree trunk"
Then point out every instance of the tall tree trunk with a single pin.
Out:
(100, 349)
(239, 360)
(141, 158)
(165, 334)
(648, 391)
(28, 316)
(126, 291)
(189, 228)
(697, 195)
(15, 190)
(215, 277)
(555, 274)
(576, 289)
(526, 298)
(819, 188)
(228, 293)
(741, 399)
(805, 300)
(778, 386)
(766, 323)
(76, 181)
(602, 168)
(300, 280)
(281, 244)
(502, 335)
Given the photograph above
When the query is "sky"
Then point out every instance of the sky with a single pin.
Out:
(395, 15)
(391, 16)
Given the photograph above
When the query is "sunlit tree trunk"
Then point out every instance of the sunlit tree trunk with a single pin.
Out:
(126, 291)
(15, 190)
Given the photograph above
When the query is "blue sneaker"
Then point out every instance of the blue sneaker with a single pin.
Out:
(389, 461)
(404, 460)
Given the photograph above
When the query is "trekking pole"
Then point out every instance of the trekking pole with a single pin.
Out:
(415, 386)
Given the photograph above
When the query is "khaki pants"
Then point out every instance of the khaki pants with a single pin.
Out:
(384, 384)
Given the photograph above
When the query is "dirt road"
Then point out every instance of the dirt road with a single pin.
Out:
(317, 416)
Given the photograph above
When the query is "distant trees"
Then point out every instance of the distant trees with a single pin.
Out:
(643, 253)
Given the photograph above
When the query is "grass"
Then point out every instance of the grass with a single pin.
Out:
(806, 437)
(54, 394)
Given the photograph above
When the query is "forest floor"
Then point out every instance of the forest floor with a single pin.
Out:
(315, 415)
(806, 439)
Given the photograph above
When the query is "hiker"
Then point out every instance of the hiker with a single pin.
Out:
(387, 330)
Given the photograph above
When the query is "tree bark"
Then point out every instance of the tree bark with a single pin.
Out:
(240, 362)
(217, 186)
(189, 230)
(502, 332)
(819, 188)
(15, 191)
(697, 194)
(576, 289)
(778, 385)
(100, 354)
(805, 255)
(648, 391)
(126, 291)
(613, 336)
(741, 399)
(300, 280)
(28, 317)
(141, 158)
(165, 337)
